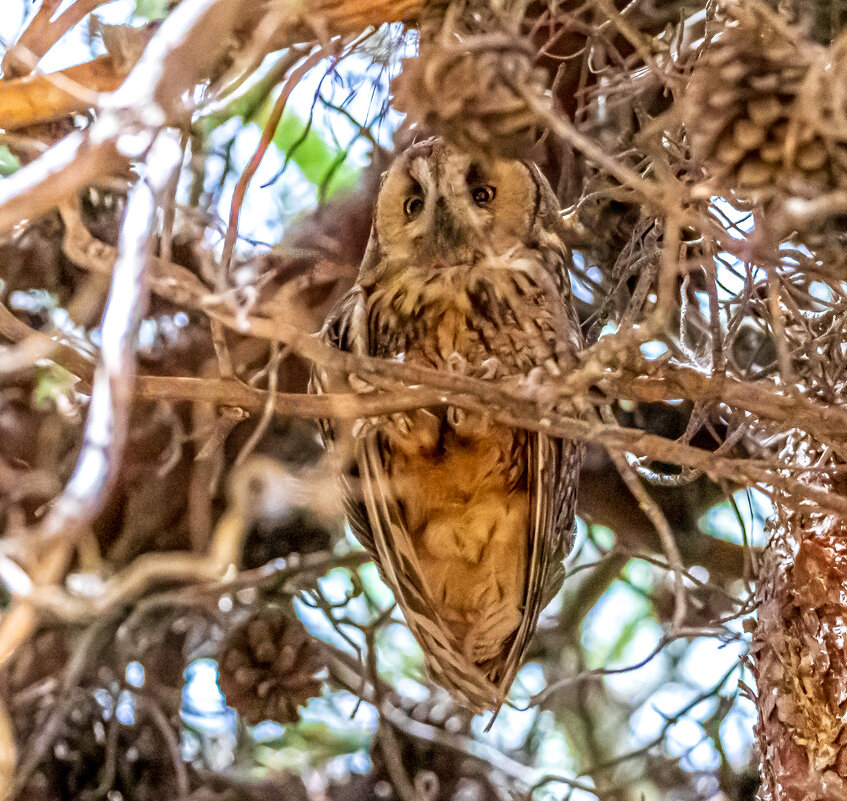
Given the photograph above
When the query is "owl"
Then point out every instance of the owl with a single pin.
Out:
(467, 519)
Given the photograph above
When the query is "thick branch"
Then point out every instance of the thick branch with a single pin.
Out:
(43, 32)
(43, 97)
(108, 414)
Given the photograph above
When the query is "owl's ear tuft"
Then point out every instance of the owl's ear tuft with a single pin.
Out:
(547, 213)
(372, 253)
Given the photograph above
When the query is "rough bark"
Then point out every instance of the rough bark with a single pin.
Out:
(800, 661)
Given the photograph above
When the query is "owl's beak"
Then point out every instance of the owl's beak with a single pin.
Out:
(450, 239)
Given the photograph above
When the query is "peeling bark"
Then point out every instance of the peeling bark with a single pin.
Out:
(800, 660)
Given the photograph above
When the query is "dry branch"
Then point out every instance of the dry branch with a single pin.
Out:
(42, 33)
(601, 365)
(108, 419)
(43, 97)
(181, 54)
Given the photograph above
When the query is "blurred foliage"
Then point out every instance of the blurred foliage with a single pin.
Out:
(54, 386)
(8, 162)
(151, 9)
(322, 163)
(310, 744)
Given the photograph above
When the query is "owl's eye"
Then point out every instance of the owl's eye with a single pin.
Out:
(482, 195)
(413, 206)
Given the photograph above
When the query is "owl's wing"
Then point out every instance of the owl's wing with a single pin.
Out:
(553, 472)
(565, 484)
(398, 562)
(552, 465)
(343, 330)
(369, 501)
(374, 516)
(375, 519)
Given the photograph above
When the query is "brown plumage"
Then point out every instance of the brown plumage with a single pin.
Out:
(468, 520)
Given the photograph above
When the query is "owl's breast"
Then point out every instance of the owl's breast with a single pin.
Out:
(484, 315)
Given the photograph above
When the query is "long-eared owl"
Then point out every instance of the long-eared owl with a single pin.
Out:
(467, 519)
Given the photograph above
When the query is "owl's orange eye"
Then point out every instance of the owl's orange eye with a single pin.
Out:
(482, 195)
(413, 206)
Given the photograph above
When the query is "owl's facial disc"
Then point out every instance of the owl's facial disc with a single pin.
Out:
(441, 207)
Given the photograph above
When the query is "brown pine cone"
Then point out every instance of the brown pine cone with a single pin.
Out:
(268, 667)
(469, 93)
(760, 109)
(134, 766)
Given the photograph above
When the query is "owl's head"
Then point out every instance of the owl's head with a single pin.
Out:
(440, 207)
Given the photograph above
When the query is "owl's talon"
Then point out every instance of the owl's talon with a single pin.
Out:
(457, 363)
(359, 385)
(359, 428)
(427, 427)
(536, 376)
(403, 423)
(456, 416)
(467, 425)
(490, 368)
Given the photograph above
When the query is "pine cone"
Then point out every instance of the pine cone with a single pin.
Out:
(268, 668)
(79, 761)
(469, 93)
(760, 109)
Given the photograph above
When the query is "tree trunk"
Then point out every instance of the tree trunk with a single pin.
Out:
(801, 661)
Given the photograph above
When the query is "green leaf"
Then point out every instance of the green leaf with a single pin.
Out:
(625, 637)
(247, 103)
(151, 9)
(8, 162)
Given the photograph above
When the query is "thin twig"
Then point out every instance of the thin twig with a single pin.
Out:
(250, 170)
